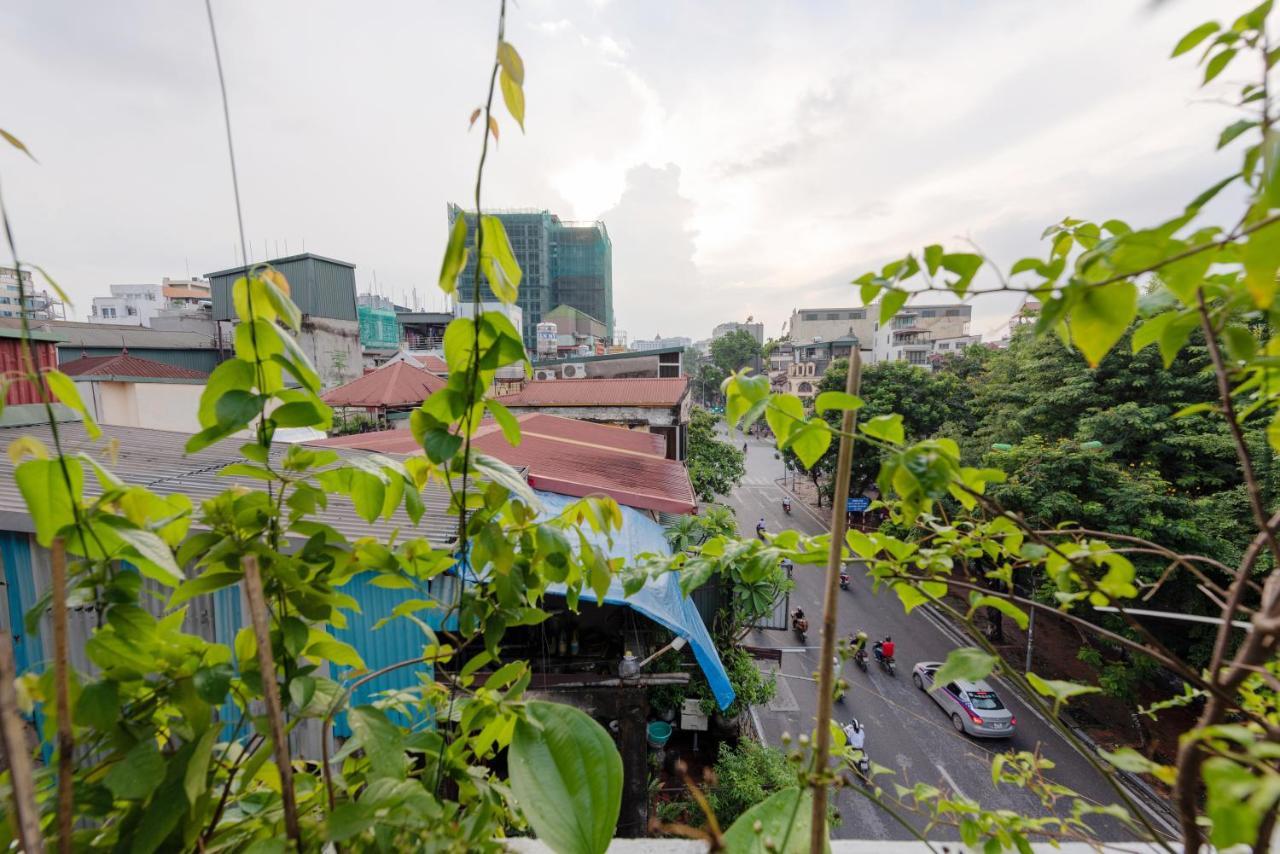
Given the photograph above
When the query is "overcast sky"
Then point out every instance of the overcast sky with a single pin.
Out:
(748, 156)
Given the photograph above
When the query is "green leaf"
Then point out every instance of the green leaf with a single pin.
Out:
(512, 96)
(1194, 38)
(98, 705)
(152, 555)
(1005, 607)
(887, 428)
(510, 426)
(381, 740)
(196, 777)
(236, 408)
(910, 596)
(455, 256)
(512, 64)
(1128, 759)
(1195, 409)
(65, 390)
(1150, 331)
(965, 265)
(1261, 257)
(498, 262)
(567, 776)
(968, 663)
(891, 304)
(841, 400)
(138, 774)
(1219, 62)
(303, 413)
(231, 374)
(44, 489)
(785, 415)
(350, 819)
(1059, 690)
(785, 819)
(810, 442)
(1100, 317)
(1233, 130)
(1234, 819)
(213, 682)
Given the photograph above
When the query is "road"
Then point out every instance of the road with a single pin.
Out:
(906, 730)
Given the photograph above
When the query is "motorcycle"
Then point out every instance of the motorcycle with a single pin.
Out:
(857, 748)
(839, 687)
(800, 625)
(862, 763)
(887, 663)
(786, 506)
(844, 580)
(860, 658)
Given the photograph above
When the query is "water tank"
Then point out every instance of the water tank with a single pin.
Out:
(546, 337)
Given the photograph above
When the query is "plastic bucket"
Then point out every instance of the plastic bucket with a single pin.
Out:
(659, 733)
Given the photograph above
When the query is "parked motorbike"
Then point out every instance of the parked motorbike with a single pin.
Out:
(887, 664)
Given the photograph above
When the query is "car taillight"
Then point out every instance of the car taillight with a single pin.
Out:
(1013, 721)
(977, 720)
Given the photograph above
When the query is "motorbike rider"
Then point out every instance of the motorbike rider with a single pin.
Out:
(884, 649)
(786, 504)
(760, 526)
(798, 618)
(858, 641)
(787, 566)
(855, 734)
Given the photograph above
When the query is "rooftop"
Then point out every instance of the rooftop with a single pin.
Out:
(126, 368)
(629, 354)
(569, 457)
(156, 459)
(302, 256)
(394, 384)
(664, 392)
(71, 334)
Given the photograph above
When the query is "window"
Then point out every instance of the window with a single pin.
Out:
(108, 312)
(915, 357)
(833, 315)
(857, 315)
(809, 315)
(928, 312)
(984, 700)
(944, 346)
(131, 310)
(954, 312)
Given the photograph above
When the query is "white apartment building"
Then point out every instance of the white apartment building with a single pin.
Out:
(660, 343)
(913, 333)
(756, 330)
(40, 305)
(138, 305)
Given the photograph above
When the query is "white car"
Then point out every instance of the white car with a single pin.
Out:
(973, 706)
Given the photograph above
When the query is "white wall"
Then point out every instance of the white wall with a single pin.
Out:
(159, 406)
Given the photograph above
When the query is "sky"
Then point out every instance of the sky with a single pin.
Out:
(748, 157)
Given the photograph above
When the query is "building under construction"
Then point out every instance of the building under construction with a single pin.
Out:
(39, 305)
(562, 263)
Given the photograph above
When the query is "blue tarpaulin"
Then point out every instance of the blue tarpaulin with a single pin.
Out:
(660, 599)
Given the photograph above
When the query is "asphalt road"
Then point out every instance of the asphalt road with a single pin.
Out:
(906, 730)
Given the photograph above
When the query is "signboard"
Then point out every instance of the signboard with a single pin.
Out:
(857, 505)
(691, 716)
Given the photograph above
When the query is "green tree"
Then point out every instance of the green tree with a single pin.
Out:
(715, 466)
(735, 350)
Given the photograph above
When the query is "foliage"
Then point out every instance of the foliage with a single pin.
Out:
(746, 774)
(715, 466)
(1207, 310)
(750, 686)
(174, 742)
(735, 350)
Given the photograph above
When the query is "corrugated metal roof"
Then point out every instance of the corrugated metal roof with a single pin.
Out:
(155, 459)
(72, 334)
(394, 384)
(664, 392)
(570, 457)
(320, 286)
(124, 367)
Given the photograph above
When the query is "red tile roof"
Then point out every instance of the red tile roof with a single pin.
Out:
(397, 384)
(665, 392)
(433, 363)
(570, 457)
(125, 367)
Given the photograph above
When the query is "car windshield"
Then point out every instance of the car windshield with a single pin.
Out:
(984, 700)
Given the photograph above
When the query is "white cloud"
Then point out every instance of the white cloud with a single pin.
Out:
(749, 156)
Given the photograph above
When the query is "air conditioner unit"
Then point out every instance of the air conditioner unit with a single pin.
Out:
(573, 372)
(544, 374)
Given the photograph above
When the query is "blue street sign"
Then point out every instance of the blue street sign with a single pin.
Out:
(857, 505)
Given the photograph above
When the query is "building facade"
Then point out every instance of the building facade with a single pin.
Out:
(40, 305)
(826, 324)
(561, 263)
(660, 343)
(756, 330)
(913, 333)
(128, 305)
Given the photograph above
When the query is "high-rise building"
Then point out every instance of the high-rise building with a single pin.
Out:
(40, 305)
(561, 263)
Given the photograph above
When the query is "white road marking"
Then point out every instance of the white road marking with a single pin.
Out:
(950, 782)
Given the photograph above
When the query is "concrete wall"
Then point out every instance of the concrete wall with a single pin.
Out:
(334, 348)
(810, 323)
(159, 406)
